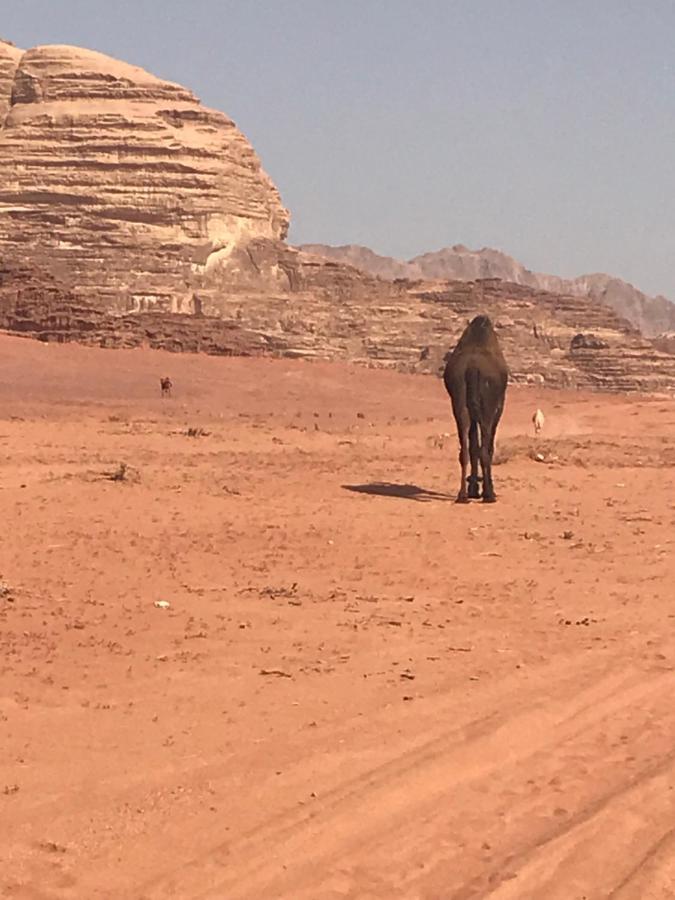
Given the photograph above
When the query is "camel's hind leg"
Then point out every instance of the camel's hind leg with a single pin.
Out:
(487, 434)
(463, 426)
(474, 451)
(493, 436)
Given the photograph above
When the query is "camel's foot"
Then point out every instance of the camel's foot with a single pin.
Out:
(490, 498)
(462, 497)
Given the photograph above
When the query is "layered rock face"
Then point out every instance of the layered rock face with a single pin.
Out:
(9, 61)
(33, 304)
(121, 183)
(652, 315)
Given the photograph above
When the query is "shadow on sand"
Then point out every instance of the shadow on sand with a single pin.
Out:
(402, 491)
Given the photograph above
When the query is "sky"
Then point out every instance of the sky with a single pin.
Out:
(544, 128)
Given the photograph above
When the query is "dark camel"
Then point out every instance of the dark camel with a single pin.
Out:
(166, 385)
(475, 377)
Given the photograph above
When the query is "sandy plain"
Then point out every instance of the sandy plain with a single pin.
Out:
(358, 689)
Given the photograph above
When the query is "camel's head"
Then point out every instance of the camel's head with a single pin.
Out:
(480, 331)
(481, 324)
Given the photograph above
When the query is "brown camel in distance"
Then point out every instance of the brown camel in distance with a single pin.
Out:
(475, 377)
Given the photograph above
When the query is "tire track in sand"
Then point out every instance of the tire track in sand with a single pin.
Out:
(396, 831)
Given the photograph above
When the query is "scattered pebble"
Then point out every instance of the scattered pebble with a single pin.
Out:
(52, 847)
(278, 672)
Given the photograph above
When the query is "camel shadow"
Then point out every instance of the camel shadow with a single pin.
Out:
(402, 491)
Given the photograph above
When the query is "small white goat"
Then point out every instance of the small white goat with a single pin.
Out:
(438, 440)
(538, 421)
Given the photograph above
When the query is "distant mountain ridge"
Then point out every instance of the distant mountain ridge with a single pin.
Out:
(652, 315)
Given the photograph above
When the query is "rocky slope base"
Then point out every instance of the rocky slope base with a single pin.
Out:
(332, 311)
(652, 315)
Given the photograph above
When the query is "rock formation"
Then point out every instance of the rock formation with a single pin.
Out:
(33, 304)
(123, 184)
(9, 60)
(652, 315)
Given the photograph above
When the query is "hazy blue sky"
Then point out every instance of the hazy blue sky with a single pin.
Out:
(545, 128)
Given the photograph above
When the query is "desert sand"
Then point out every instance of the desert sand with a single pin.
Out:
(358, 689)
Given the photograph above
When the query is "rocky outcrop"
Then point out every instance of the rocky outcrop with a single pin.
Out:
(366, 260)
(9, 60)
(33, 304)
(665, 342)
(123, 184)
(652, 315)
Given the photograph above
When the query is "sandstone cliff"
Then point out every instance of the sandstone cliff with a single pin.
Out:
(9, 60)
(122, 183)
(652, 315)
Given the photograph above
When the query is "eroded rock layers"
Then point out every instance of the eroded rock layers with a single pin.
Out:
(121, 183)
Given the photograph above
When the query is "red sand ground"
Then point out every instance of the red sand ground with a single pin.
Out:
(373, 694)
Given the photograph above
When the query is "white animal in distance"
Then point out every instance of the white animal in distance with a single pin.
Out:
(538, 421)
